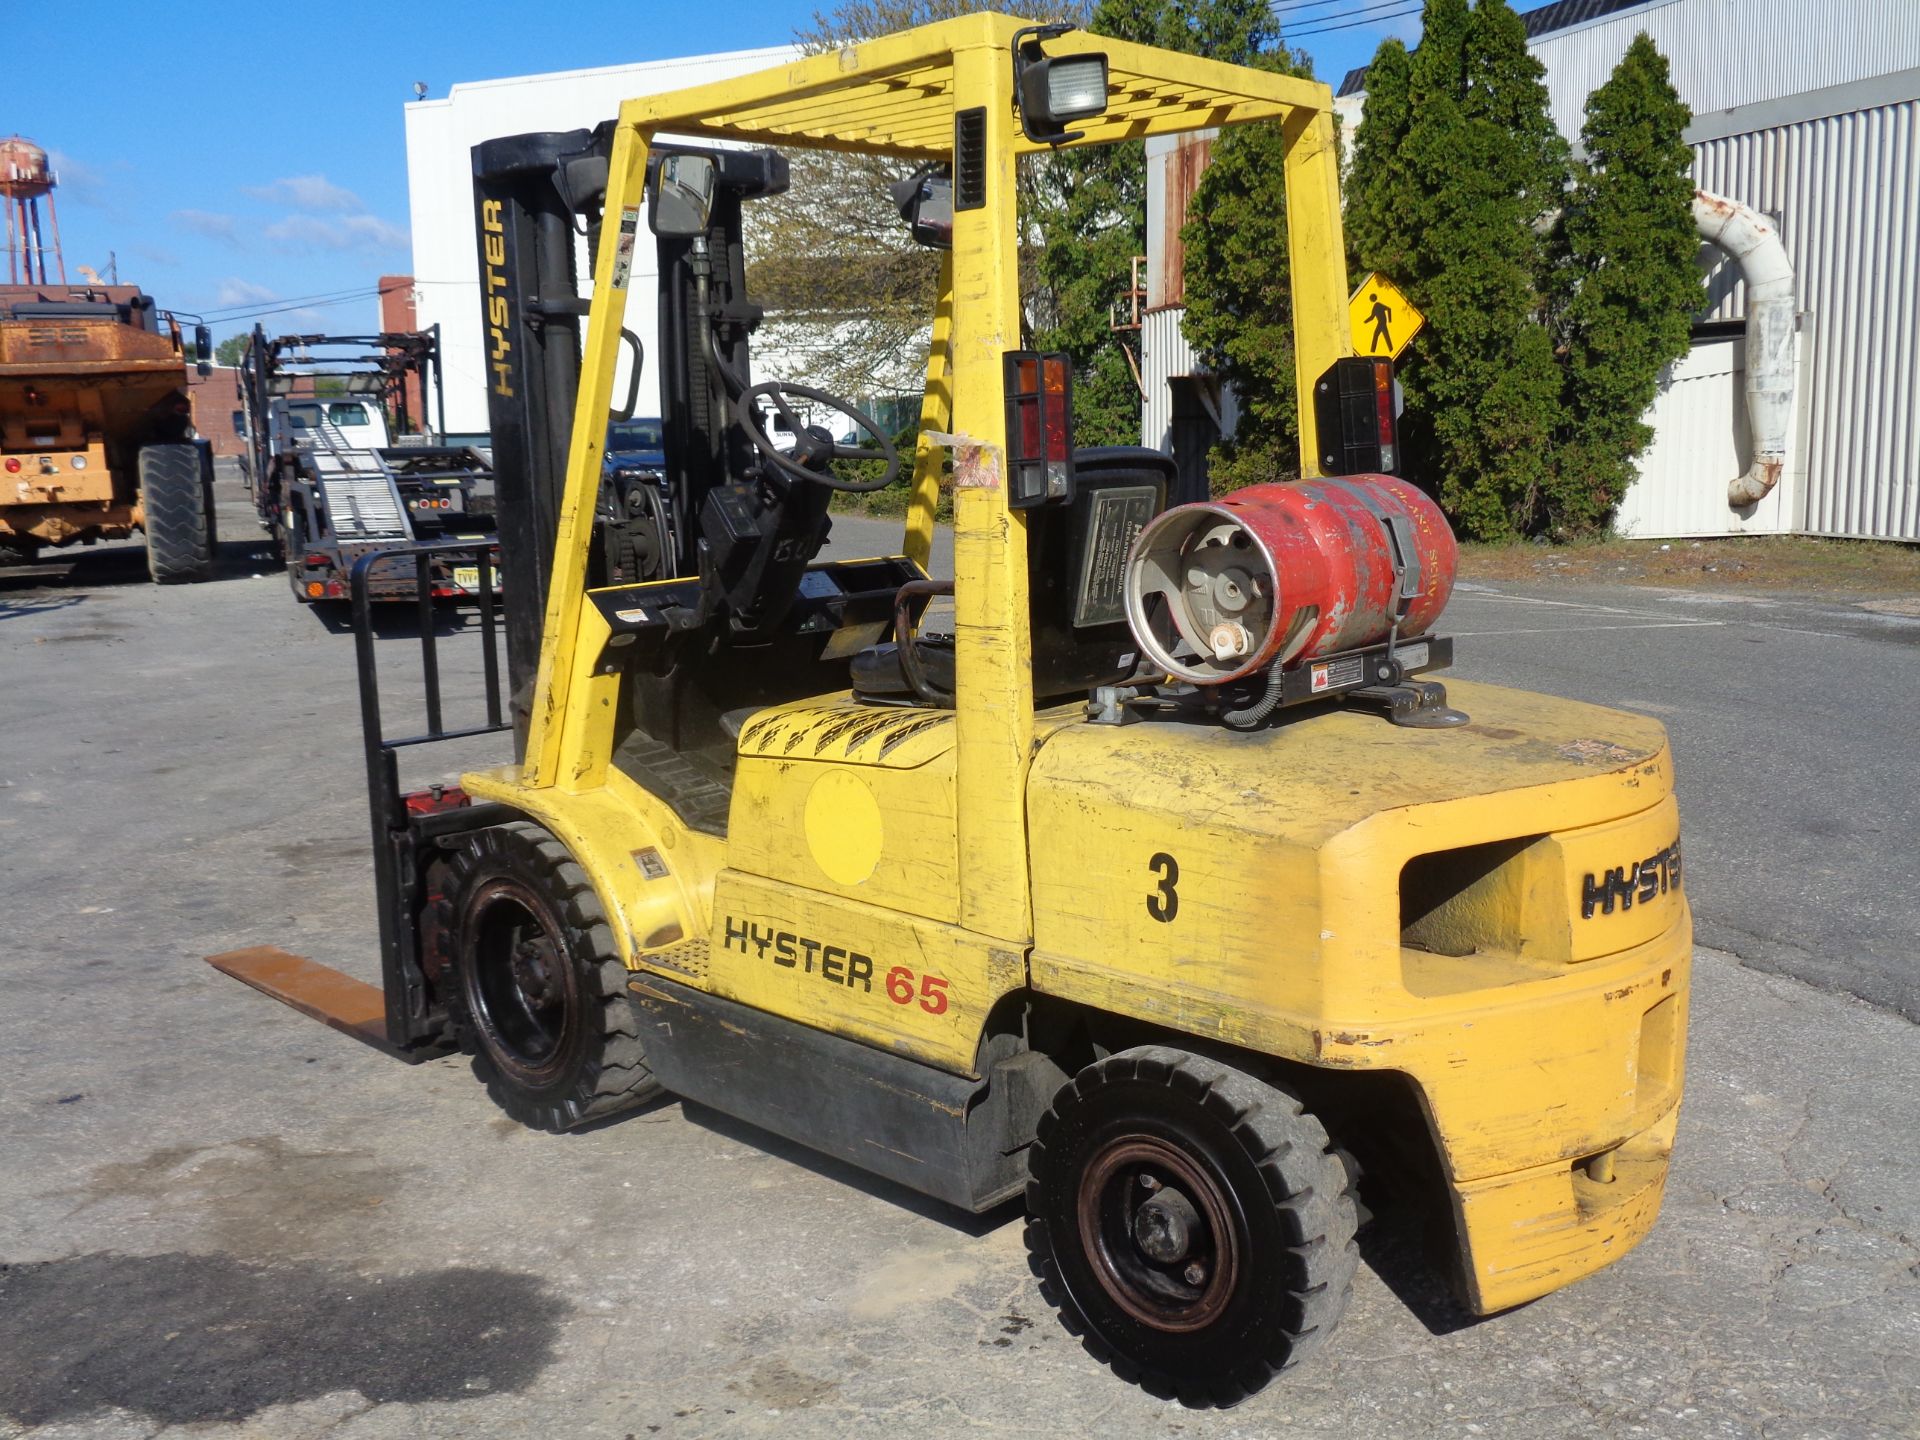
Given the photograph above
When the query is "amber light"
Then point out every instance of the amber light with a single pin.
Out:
(315, 589)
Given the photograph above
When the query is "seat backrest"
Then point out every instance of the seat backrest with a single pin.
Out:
(1076, 565)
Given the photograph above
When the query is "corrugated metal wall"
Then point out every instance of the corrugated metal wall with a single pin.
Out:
(1846, 191)
(1164, 352)
(1701, 443)
(1729, 53)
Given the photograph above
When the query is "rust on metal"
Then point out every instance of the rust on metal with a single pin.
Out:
(350, 1006)
(1191, 155)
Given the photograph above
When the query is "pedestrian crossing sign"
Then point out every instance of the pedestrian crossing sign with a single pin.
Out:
(1381, 319)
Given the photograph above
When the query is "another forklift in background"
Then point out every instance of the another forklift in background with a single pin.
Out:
(339, 467)
(1166, 891)
(96, 432)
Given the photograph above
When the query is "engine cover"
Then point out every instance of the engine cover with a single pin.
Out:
(1284, 572)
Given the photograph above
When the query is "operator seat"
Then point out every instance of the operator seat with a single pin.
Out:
(1076, 562)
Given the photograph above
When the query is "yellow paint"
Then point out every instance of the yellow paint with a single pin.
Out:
(1381, 320)
(844, 831)
(927, 989)
(890, 874)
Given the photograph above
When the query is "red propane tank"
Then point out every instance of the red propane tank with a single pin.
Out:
(1284, 572)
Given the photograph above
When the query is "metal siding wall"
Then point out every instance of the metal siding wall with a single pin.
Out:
(1728, 53)
(1846, 189)
(1164, 352)
(1700, 443)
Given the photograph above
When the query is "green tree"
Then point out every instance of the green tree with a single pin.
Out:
(1092, 210)
(1628, 283)
(1239, 300)
(1483, 394)
(229, 351)
(1380, 190)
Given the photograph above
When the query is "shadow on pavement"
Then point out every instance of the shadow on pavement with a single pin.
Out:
(400, 619)
(86, 567)
(189, 1338)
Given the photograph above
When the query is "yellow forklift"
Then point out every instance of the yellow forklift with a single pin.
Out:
(1166, 890)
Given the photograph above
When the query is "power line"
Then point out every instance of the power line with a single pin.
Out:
(1393, 14)
(279, 306)
(301, 305)
(249, 305)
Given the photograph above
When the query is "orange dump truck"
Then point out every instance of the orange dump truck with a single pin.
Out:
(96, 436)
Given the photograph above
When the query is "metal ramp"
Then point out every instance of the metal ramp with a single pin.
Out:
(362, 500)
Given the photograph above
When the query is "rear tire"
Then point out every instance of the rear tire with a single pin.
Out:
(178, 498)
(536, 992)
(1190, 1223)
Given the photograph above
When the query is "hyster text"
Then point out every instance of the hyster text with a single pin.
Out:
(834, 963)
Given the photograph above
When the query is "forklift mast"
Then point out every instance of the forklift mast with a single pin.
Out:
(715, 514)
(526, 215)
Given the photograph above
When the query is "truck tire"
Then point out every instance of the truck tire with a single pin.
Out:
(1190, 1223)
(535, 990)
(179, 507)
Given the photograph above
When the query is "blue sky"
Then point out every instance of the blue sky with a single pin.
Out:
(245, 157)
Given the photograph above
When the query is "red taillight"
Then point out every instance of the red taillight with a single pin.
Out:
(1053, 384)
(1039, 390)
(13, 465)
(1383, 411)
(316, 560)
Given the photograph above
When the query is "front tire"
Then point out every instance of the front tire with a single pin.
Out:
(536, 992)
(1190, 1223)
(177, 496)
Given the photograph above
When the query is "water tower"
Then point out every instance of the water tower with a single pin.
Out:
(25, 176)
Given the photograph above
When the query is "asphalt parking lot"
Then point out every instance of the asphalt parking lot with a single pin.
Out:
(219, 1218)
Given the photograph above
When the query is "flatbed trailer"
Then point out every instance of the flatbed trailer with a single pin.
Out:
(330, 481)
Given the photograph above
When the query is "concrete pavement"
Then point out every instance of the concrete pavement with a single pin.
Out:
(218, 1218)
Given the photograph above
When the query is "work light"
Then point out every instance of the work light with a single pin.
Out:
(1054, 90)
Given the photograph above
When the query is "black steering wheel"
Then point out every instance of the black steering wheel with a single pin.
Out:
(812, 453)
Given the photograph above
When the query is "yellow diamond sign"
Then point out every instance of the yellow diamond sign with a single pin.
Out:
(1381, 319)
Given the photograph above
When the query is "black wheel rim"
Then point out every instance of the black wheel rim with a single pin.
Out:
(1160, 1232)
(521, 987)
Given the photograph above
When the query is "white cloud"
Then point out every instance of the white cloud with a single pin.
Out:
(235, 292)
(344, 232)
(307, 192)
(79, 182)
(209, 223)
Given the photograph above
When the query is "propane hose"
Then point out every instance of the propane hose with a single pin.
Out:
(1248, 716)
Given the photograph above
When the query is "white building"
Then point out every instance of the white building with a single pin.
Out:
(440, 137)
(1809, 114)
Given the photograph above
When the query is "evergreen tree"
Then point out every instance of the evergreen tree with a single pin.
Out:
(1381, 197)
(1093, 219)
(1629, 282)
(1485, 393)
(1239, 300)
